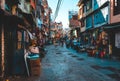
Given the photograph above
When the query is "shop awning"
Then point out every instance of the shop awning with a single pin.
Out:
(114, 26)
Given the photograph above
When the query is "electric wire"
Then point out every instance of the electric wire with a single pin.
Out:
(57, 9)
(58, 5)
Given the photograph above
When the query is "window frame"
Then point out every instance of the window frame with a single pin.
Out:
(116, 7)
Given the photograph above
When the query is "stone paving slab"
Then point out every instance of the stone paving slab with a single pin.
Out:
(61, 64)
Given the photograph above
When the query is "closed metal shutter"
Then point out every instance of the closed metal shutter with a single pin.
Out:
(9, 51)
(0, 50)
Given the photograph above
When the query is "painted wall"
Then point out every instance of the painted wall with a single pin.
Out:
(98, 3)
(114, 18)
(88, 22)
(80, 13)
(101, 17)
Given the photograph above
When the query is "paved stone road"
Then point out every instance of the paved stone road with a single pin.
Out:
(61, 64)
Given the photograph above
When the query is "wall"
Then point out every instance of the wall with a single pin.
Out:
(98, 3)
(101, 17)
(89, 22)
(116, 18)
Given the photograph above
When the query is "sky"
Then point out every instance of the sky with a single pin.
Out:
(66, 5)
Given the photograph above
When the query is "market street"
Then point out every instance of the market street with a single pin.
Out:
(62, 64)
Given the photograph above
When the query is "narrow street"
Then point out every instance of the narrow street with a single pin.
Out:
(62, 64)
(33, 33)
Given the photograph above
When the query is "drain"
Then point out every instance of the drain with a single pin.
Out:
(74, 56)
(110, 68)
(96, 67)
(69, 53)
(58, 53)
(80, 59)
(65, 51)
(115, 76)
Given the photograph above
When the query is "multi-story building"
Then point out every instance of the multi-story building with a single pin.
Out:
(114, 27)
(115, 11)
(56, 30)
(42, 19)
(10, 23)
(98, 18)
(74, 24)
(17, 20)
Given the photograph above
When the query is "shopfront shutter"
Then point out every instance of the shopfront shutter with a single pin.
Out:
(0, 50)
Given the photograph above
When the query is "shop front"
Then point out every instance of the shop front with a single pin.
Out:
(0, 49)
(11, 44)
(113, 31)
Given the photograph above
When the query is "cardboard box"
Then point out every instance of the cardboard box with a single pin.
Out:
(35, 66)
(35, 71)
(35, 63)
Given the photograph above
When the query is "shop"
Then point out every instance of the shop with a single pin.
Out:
(0, 49)
(103, 44)
(113, 38)
(14, 40)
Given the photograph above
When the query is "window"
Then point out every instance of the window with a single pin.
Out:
(116, 7)
(89, 5)
(115, 2)
(82, 23)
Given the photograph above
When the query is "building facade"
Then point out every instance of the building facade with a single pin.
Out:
(98, 18)
(74, 24)
(17, 21)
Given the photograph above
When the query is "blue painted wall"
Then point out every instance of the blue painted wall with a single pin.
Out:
(98, 3)
(101, 17)
(88, 22)
(95, 5)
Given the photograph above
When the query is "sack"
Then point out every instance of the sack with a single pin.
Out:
(34, 49)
